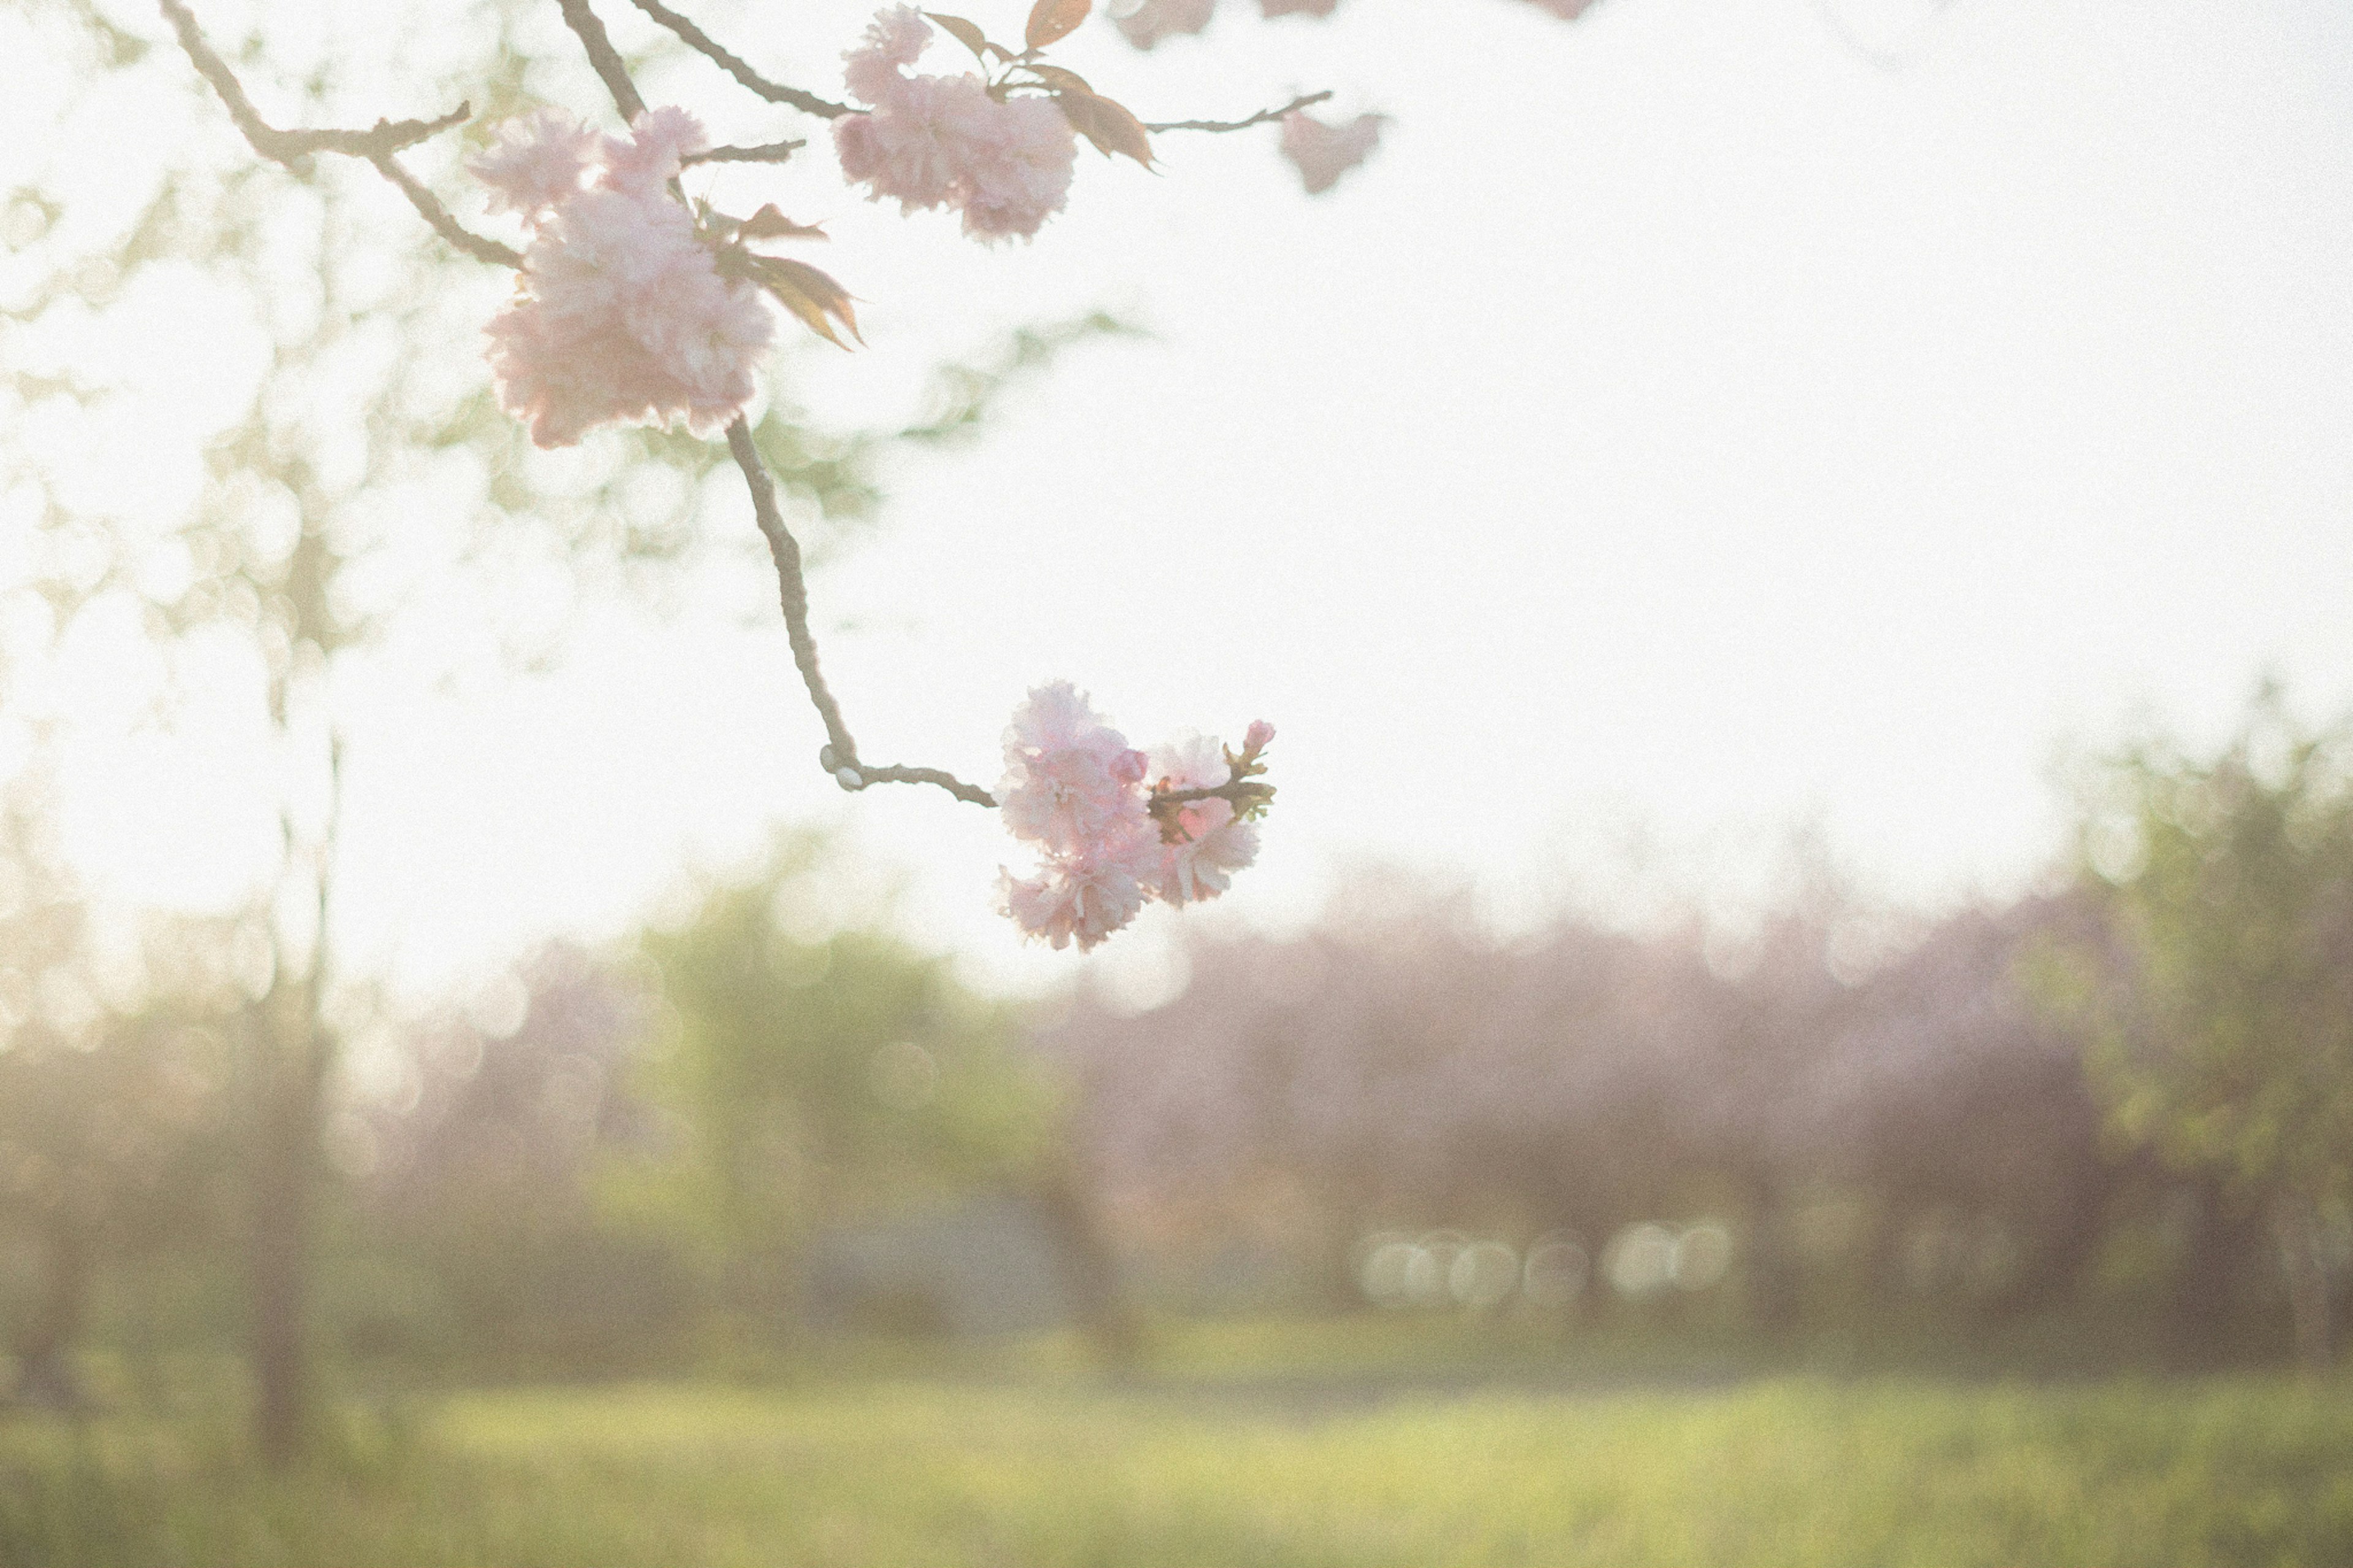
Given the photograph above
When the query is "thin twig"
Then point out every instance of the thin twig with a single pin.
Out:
(428, 207)
(288, 147)
(946, 781)
(1260, 118)
(792, 589)
(1165, 806)
(792, 594)
(604, 57)
(766, 153)
(1235, 792)
(735, 65)
(839, 756)
(376, 145)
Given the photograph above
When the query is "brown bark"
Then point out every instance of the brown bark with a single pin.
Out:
(2224, 1242)
(2295, 1224)
(45, 1370)
(1775, 1290)
(1090, 1265)
(285, 1169)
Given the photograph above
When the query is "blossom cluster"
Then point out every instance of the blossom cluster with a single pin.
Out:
(1075, 790)
(943, 141)
(621, 313)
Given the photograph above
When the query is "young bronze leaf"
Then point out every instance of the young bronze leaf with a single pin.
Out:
(1108, 125)
(966, 33)
(809, 294)
(1058, 79)
(1052, 19)
(770, 224)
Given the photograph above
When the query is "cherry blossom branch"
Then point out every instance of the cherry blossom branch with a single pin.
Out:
(1241, 789)
(1165, 806)
(839, 756)
(386, 137)
(735, 65)
(766, 153)
(1234, 791)
(375, 145)
(946, 781)
(428, 207)
(603, 58)
(1262, 117)
(840, 753)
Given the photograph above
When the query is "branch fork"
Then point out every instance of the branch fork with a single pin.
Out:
(378, 146)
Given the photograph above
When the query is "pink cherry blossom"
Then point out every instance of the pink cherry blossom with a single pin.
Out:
(895, 40)
(537, 161)
(1073, 900)
(1074, 788)
(622, 315)
(1158, 19)
(942, 141)
(1324, 152)
(1071, 782)
(1019, 173)
(1202, 864)
(910, 150)
(643, 163)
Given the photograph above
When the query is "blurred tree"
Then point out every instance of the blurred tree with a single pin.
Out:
(1416, 1071)
(113, 1061)
(821, 1071)
(328, 485)
(1960, 1106)
(483, 1161)
(2224, 1008)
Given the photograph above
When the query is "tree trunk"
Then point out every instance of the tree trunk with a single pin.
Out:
(2054, 1271)
(45, 1370)
(285, 1179)
(2222, 1245)
(2295, 1223)
(1090, 1265)
(1775, 1294)
(292, 1050)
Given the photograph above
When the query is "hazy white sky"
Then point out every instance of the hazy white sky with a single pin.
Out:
(1682, 423)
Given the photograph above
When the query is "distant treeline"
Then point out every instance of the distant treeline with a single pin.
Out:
(1910, 1130)
(2125, 1103)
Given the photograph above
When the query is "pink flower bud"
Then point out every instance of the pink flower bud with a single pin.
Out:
(1259, 736)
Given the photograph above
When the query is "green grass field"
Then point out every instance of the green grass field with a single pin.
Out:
(1786, 1471)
